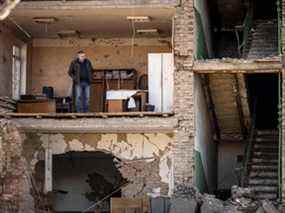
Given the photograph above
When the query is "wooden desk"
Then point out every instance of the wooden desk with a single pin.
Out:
(120, 105)
(36, 106)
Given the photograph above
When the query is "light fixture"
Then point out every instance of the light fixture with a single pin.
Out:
(68, 33)
(44, 20)
(139, 18)
(147, 31)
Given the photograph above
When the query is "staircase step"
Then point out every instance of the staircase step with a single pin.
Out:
(263, 174)
(265, 155)
(265, 161)
(270, 189)
(266, 149)
(264, 168)
(268, 182)
(265, 146)
(272, 139)
(268, 196)
(267, 132)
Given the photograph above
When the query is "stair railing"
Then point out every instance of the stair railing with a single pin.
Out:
(249, 147)
(247, 26)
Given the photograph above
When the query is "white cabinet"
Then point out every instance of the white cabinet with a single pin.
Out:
(161, 81)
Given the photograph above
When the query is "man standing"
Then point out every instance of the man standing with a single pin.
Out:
(81, 72)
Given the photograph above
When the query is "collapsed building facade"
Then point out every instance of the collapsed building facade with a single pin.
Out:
(223, 127)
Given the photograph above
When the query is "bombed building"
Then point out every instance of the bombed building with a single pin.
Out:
(182, 93)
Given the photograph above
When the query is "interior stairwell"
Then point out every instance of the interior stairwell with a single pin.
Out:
(263, 165)
(262, 41)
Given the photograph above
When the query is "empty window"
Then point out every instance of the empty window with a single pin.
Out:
(19, 71)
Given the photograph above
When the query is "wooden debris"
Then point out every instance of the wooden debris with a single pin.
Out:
(7, 104)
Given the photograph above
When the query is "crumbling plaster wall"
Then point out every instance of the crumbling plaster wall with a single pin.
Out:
(146, 159)
(52, 57)
(7, 41)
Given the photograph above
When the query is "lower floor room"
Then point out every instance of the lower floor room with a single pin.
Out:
(238, 133)
(97, 172)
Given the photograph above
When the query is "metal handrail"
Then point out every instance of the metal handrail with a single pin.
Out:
(247, 26)
(249, 145)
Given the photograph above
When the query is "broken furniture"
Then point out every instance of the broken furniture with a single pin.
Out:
(7, 104)
(110, 79)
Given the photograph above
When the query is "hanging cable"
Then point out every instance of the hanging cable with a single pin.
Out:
(133, 38)
(20, 28)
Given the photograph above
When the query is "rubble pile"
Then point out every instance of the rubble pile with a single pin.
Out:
(186, 199)
(243, 200)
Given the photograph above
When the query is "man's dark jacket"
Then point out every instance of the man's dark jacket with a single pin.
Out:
(74, 71)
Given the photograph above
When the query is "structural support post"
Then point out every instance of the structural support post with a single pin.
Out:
(48, 170)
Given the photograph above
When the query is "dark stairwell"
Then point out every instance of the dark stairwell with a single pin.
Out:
(262, 166)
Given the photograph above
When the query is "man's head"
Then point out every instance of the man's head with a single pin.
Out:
(81, 55)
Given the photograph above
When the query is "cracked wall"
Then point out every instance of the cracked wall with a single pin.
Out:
(146, 159)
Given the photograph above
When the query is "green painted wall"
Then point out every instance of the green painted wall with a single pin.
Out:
(200, 176)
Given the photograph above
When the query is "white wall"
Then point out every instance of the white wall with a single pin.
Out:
(204, 145)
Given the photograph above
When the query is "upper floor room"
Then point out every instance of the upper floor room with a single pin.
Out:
(129, 44)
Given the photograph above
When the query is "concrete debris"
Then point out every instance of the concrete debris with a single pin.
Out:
(243, 200)
(269, 207)
(238, 192)
(186, 191)
(186, 199)
(211, 204)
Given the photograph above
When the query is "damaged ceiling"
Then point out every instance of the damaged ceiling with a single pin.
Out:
(93, 22)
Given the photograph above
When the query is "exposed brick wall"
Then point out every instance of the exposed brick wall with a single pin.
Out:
(14, 181)
(283, 106)
(183, 97)
(283, 141)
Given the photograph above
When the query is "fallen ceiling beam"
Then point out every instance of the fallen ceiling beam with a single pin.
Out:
(271, 65)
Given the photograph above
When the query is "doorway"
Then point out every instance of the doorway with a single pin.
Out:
(263, 99)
